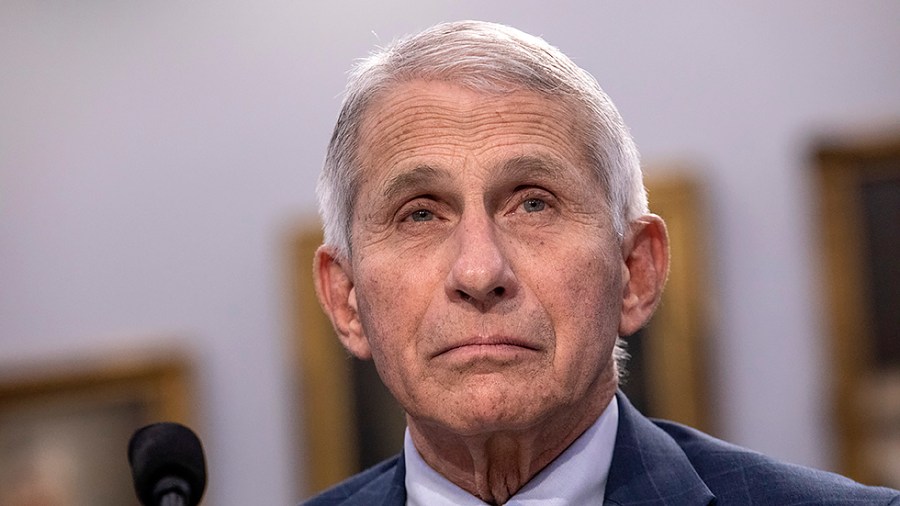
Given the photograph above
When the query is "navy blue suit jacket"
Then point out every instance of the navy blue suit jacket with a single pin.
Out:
(656, 462)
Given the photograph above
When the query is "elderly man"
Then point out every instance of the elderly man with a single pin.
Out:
(487, 242)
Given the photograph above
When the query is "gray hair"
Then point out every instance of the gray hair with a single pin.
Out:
(490, 58)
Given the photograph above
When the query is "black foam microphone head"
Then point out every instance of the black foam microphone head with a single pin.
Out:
(166, 451)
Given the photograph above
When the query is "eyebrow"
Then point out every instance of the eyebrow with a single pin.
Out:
(533, 167)
(516, 169)
(421, 176)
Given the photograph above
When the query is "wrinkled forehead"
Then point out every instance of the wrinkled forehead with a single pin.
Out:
(419, 118)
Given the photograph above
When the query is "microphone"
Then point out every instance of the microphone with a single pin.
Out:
(167, 465)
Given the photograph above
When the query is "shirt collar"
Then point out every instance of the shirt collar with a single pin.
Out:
(577, 476)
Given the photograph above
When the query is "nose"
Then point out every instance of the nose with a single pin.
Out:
(481, 274)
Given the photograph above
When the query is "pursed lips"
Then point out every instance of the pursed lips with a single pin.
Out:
(487, 343)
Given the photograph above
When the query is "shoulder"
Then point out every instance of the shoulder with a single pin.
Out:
(740, 476)
(372, 486)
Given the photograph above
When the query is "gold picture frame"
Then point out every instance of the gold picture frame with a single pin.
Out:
(859, 196)
(65, 427)
(345, 406)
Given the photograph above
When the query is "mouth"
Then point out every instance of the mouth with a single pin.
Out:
(487, 347)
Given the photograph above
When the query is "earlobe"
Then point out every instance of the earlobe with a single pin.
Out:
(337, 295)
(645, 254)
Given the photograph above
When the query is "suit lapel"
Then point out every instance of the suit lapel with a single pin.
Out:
(388, 488)
(396, 494)
(649, 467)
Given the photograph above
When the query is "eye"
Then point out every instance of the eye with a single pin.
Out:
(533, 205)
(421, 215)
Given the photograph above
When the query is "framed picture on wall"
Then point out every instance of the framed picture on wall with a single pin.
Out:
(64, 428)
(352, 422)
(859, 189)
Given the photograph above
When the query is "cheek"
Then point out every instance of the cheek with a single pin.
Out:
(391, 303)
(582, 277)
(586, 315)
(385, 334)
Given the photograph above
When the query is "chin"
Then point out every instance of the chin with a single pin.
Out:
(483, 418)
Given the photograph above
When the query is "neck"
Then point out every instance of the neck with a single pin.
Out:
(495, 465)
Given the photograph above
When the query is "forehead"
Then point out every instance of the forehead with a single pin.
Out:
(421, 122)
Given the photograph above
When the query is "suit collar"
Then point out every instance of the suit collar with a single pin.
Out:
(649, 467)
(396, 494)
(382, 485)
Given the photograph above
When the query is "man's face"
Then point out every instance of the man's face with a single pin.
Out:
(486, 275)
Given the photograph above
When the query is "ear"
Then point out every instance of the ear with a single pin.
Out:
(645, 252)
(337, 295)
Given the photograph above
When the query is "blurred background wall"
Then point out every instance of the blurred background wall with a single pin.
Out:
(154, 156)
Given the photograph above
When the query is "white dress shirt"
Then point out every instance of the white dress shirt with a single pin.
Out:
(576, 477)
